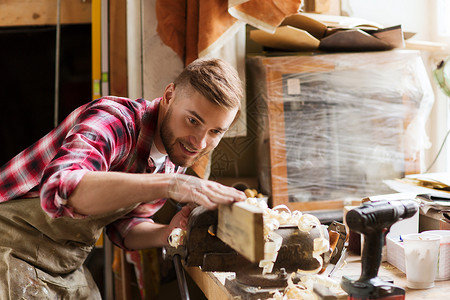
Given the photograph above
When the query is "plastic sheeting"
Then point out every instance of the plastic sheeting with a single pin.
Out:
(335, 125)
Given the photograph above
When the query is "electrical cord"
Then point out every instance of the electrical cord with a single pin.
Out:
(439, 152)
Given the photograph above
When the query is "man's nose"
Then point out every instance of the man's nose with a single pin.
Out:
(199, 140)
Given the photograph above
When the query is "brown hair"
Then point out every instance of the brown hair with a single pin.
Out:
(214, 79)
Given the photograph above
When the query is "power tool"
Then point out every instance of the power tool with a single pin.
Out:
(373, 220)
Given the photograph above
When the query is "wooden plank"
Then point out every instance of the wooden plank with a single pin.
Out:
(277, 141)
(241, 227)
(126, 275)
(276, 66)
(211, 284)
(118, 79)
(134, 49)
(317, 6)
(43, 12)
(315, 205)
(326, 7)
(96, 48)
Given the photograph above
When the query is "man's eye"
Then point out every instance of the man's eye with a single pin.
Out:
(217, 132)
(192, 121)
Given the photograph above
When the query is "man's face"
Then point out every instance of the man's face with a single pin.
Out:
(193, 126)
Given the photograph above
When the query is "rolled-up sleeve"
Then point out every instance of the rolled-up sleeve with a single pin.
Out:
(118, 230)
(58, 188)
(101, 138)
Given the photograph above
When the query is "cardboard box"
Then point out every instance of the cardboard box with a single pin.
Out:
(434, 220)
(444, 224)
(307, 32)
(395, 253)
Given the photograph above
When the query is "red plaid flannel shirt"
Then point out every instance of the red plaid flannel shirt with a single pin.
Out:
(108, 134)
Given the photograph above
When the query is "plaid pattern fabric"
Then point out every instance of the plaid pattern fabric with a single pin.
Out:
(108, 134)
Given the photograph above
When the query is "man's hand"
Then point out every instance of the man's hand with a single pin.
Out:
(185, 189)
(148, 234)
(180, 219)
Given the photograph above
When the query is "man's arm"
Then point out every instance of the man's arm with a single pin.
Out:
(101, 192)
(147, 234)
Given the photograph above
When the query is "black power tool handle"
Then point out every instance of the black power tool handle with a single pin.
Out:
(371, 255)
(374, 220)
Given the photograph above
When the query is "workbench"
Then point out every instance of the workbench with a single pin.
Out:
(214, 284)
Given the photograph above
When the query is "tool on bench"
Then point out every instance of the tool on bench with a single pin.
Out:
(231, 239)
(374, 220)
(339, 245)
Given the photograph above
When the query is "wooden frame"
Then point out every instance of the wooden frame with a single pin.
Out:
(275, 68)
(277, 129)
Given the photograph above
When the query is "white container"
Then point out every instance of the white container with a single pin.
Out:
(421, 259)
(443, 272)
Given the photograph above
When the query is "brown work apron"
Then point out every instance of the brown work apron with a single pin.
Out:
(42, 257)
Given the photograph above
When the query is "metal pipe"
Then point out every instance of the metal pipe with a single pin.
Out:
(181, 278)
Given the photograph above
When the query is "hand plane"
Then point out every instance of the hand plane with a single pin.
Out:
(203, 246)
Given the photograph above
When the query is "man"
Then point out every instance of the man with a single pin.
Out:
(112, 162)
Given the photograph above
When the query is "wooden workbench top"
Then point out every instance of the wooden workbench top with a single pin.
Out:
(440, 291)
(213, 284)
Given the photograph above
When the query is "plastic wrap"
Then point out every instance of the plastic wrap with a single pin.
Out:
(335, 125)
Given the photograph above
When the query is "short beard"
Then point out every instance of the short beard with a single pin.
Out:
(169, 142)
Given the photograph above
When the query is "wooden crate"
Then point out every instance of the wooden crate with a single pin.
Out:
(378, 92)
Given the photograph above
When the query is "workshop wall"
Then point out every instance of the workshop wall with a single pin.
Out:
(235, 159)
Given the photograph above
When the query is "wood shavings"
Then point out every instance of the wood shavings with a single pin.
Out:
(308, 222)
(304, 289)
(271, 248)
(176, 237)
(277, 295)
(282, 215)
(321, 245)
(294, 292)
(270, 225)
(257, 202)
(331, 283)
(252, 193)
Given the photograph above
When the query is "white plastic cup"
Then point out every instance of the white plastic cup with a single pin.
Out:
(443, 272)
(421, 259)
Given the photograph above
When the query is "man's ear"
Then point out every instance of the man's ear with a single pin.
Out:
(169, 94)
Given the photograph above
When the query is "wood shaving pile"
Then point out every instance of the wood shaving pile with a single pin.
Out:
(176, 237)
(273, 219)
(305, 288)
(281, 215)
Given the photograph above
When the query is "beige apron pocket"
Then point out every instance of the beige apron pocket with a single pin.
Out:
(77, 285)
(73, 280)
(61, 258)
